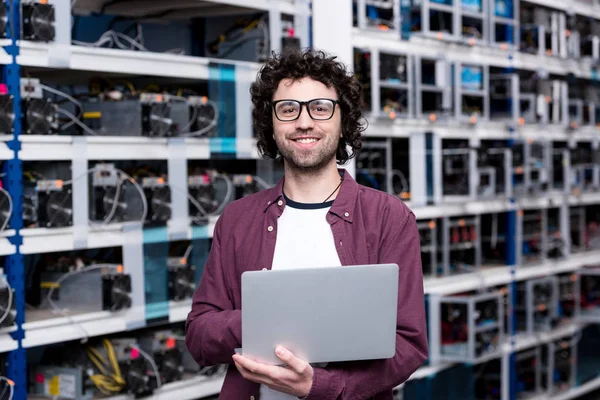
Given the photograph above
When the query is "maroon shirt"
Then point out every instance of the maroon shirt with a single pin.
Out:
(369, 227)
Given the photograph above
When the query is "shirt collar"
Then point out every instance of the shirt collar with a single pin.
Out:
(343, 205)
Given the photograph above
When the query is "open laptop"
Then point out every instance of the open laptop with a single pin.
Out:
(320, 314)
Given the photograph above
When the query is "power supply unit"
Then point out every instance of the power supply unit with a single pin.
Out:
(162, 347)
(94, 290)
(149, 114)
(471, 328)
(61, 382)
(47, 204)
(38, 114)
(112, 198)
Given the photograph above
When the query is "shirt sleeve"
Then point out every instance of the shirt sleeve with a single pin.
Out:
(400, 244)
(213, 327)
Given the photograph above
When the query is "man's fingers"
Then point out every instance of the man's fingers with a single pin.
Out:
(294, 363)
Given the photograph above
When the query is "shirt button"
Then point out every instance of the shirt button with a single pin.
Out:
(280, 203)
(346, 214)
(270, 228)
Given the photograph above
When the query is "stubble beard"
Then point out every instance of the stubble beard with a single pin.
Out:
(308, 161)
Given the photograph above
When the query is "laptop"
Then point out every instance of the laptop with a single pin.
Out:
(321, 315)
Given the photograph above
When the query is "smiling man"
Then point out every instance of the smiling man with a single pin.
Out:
(307, 114)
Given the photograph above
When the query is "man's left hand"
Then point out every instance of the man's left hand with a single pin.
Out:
(294, 379)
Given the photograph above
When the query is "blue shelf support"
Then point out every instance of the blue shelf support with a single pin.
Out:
(13, 183)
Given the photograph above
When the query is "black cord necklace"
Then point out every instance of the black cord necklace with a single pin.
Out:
(338, 186)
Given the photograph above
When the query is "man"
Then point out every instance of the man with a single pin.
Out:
(307, 113)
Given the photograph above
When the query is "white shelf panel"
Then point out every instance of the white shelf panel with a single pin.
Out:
(501, 275)
(5, 152)
(579, 7)
(579, 391)
(461, 208)
(118, 61)
(178, 311)
(481, 55)
(46, 240)
(55, 148)
(286, 6)
(7, 248)
(62, 329)
(7, 343)
(523, 341)
(188, 389)
(403, 127)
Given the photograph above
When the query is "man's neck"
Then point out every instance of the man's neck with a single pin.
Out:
(313, 187)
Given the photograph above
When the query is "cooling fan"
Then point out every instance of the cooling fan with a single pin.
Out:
(38, 22)
(169, 365)
(181, 279)
(59, 208)
(8, 312)
(158, 198)
(5, 208)
(160, 120)
(39, 116)
(129, 204)
(3, 20)
(160, 205)
(116, 288)
(7, 114)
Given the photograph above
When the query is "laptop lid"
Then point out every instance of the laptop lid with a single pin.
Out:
(321, 314)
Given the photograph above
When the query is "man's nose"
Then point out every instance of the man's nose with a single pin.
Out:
(304, 121)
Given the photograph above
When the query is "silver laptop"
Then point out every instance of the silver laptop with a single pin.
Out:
(320, 314)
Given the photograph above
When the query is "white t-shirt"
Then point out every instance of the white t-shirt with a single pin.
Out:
(304, 240)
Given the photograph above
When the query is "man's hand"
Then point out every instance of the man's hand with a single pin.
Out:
(294, 379)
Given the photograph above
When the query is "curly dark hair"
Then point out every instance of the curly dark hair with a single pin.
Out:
(321, 67)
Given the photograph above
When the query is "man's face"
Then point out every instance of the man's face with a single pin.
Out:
(306, 144)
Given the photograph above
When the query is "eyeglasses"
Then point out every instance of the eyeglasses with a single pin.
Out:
(318, 109)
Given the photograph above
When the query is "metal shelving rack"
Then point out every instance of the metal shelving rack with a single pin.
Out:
(419, 126)
(78, 151)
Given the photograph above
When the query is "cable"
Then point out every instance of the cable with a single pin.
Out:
(77, 121)
(10, 210)
(64, 277)
(192, 200)
(115, 202)
(207, 128)
(152, 363)
(68, 97)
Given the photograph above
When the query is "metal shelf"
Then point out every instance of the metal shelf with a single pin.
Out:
(501, 275)
(53, 329)
(576, 6)
(46, 240)
(7, 343)
(404, 127)
(579, 391)
(179, 310)
(6, 247)
(189, 389)
(58, 147)
(485, 55)
(123, 62)
(201, 8)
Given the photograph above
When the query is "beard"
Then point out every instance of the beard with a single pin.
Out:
(308, 160)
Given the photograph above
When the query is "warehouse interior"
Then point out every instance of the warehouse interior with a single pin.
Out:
(126, 129)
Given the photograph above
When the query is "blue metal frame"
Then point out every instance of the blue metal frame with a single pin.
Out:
(13, 182)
